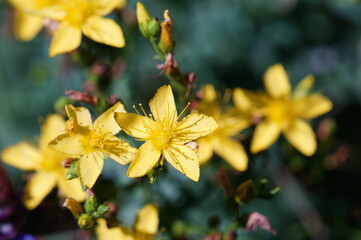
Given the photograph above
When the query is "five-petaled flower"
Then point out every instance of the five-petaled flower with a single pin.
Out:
(220, 141)
(284, 112)
(83, 16)
(46, 163)
(164, 136)
(89, 142)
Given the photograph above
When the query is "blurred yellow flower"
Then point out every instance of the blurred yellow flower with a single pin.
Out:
(220, 141)
(164, 136)
(82, 16)
(287, 113)
(46, 163)
(27, 24)
(146, 227)
(89, 142)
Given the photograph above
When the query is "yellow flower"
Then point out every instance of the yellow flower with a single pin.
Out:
(220, 141)
(145, 228)
(82, 16)
(287, 113)
(46, 163)
(26, 24)
(89, 142)
(165, 137)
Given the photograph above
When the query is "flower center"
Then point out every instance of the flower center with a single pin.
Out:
(77, 12)
(279, 111)
(93, 142)
(160, 137)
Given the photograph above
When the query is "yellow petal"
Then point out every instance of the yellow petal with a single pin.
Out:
(21, 4)
(184, 160)
(104, 7)
(162, 104)
(104, 30)
(22, 155)
(133, 124)
(54, 12)
(82, 121)
(312, 106)
(147, 156)
(208, 93)
(205, 149)
(302, 137)
(119, 150)
(232, 125)
(194, 126)
(89, 168)
(37, 188)
(304, 87)
(143, 15)
(66, 39)
(245, 100)
(232, 152)
(106, 123)
(115, 233)
(71, 188)
(53, 126)
(26, 26)
(265, 135)
(68, 143)
(147, 220)
(276, 81)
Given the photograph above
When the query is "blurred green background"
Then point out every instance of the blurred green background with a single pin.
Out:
(230, 44)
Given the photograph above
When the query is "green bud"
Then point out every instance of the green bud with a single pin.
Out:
(91, 205)
(72, 171)
(85, 221)
(102, 209)
(153, 28)
(154, 173)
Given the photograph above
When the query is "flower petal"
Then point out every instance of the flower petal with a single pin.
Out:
(162, 104)
(68, 143)
(134, 124)
(276, 81)
(232, 152)
(302, 137)
(26, 26)
(104, 7)
(37, 188)
(53, 126)
(53, 12)
(193, 126)
(303, 87)
(80, 118)
(119, 150)
(312, 106)
(89, 168)
(184, 160)
(71, 188)
(22, 155)
(245, 100)
(66, 39)
(205, 149)
(147, 220)
(265, 135)
(104, 233)
(106, 123)
(147, 156)
(104, 30)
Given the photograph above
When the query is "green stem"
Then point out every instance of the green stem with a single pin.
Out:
(160, 53)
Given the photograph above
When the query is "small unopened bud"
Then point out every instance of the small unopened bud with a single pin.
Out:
(91, 205)
(72, 171)
(256, 220)
(85, 221)
(83, 97)
(193, 145)
(74, 207)
(66, 163)
(150, 28)
(245, 192)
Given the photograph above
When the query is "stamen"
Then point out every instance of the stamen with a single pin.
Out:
(141, 107)
(184, 109)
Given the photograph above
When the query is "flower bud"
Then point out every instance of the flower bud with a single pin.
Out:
(149, 27)
(74, 207)
(85, 221)
(166, 35)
